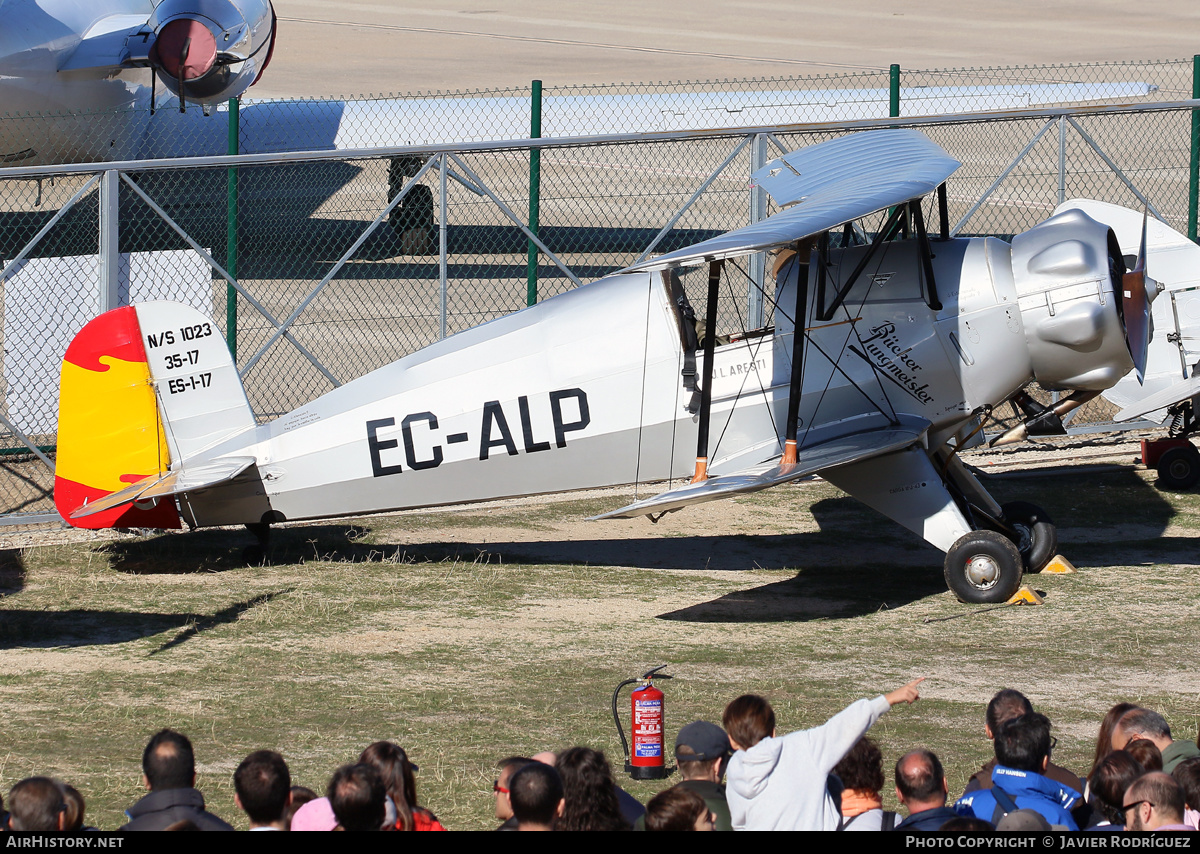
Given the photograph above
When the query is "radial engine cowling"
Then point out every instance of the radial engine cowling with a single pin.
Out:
(208, 51)
(1067, 272)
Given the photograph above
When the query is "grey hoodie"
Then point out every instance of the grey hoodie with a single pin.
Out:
(780, 783)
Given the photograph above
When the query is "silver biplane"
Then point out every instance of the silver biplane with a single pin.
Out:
(884, 350)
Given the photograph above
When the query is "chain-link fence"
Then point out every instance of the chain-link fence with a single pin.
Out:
(342, 263)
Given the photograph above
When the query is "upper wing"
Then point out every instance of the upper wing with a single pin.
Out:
(826, 185)
(851, 448)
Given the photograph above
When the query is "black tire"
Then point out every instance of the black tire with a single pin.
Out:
(1179, 468)
(983, 568)
(1037, 539)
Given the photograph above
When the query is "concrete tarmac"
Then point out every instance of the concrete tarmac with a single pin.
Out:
(382, 47)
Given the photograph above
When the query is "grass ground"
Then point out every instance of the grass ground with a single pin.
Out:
(472, 635)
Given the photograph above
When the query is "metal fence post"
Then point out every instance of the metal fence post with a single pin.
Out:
(1194, 172)
(1062, 159)
(231, 222)
(442, 244)
(535, 183)
(758, 261)
(110, 241)
(894, 92)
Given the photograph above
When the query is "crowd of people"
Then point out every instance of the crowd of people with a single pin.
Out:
(741, 775)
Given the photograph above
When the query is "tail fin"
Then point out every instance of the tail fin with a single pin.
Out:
(144, 388)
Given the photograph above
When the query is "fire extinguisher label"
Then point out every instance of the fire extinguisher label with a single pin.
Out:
(647, 729)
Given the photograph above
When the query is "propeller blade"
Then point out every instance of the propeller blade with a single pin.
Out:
(1135, 304)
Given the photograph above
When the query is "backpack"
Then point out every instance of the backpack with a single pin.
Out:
(1004, 804)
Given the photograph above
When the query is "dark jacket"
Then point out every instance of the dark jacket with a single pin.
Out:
(159, 810)
(927, 819)
(714, 796)
(1176, 752)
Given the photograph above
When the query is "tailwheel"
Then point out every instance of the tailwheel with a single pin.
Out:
(1179, 468)
(1037, 538)
(259, 553)
(983, 567)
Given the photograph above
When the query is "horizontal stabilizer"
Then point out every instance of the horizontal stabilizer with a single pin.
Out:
(171, 483)
(827, 455)
(1169, 396)
(824, 186)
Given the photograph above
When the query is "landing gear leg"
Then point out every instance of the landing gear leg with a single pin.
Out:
(943, 503)
(1028, 526)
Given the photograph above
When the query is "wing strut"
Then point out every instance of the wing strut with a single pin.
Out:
(710, 345)
(797, 379)
(931, 294)
(943, 211)
(825, 313)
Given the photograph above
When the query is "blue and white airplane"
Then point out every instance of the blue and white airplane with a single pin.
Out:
(78, 78)
(73, 60)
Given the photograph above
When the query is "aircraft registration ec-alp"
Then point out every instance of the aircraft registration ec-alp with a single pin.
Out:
(906, 341)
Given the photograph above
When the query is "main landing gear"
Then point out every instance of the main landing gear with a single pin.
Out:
(1179, 467)
(1036, 537)
(985, 565)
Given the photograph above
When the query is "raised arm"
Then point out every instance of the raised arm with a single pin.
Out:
(905, 693)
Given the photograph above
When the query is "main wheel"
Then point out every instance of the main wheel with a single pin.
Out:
(1179, 468)
(984, 568)
(1037, 538)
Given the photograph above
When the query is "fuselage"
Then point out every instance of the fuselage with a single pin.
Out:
(39, 36)
(36, 38)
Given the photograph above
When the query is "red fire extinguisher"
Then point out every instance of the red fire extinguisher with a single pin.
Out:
(647, 724)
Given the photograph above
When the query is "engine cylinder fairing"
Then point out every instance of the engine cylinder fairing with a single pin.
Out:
(208, 51)
(1067, 272)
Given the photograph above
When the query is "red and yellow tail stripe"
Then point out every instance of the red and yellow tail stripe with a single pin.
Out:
(110, 433)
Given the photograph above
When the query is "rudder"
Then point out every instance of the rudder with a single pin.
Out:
(143, 389)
